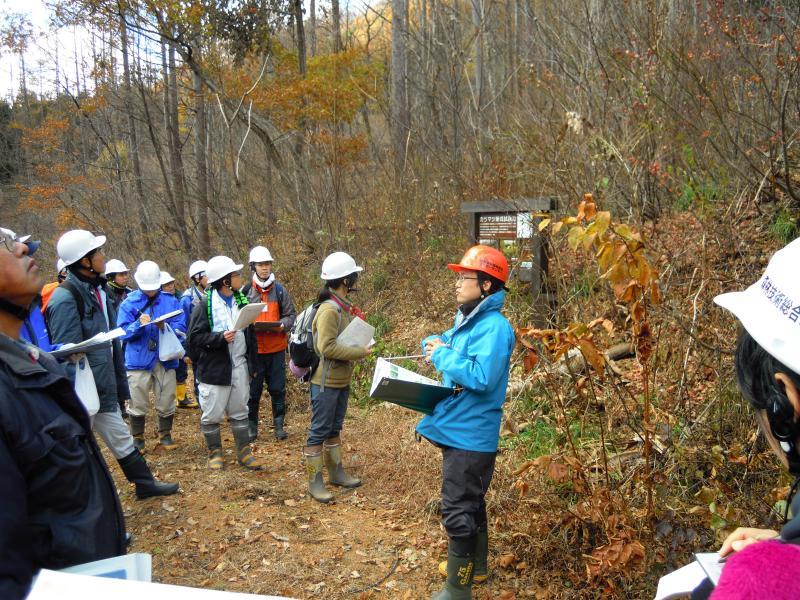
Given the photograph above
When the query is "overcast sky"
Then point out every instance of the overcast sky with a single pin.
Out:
(45, 45)
(40, 59)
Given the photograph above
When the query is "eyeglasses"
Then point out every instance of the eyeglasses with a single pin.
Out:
(9, 242)
(461, 278)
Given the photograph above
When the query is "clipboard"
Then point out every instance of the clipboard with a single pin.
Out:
(99, 341)
(711, 565)
(392, 383)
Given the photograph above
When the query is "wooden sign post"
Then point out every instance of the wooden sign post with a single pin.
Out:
(517, 220)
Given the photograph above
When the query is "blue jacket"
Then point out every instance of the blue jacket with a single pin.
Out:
(138, 355)
(66, 325)
(190, 298)
(476, 356)
(34, 330)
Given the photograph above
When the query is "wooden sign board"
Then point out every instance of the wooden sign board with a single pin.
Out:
(505, 226)
(497, 226)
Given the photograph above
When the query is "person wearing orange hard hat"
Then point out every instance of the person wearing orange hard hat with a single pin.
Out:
(473, 357)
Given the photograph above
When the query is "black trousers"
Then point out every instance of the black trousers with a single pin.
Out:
(466, 476)
(272, 369)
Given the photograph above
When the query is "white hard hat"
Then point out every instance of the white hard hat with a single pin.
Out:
(770, 308)
(60, 265)
(148, 276)
(338, 265)
(260, 254)
(197, 267)
(219, 266)
(165, 278)
(75, 244)
(115, 266)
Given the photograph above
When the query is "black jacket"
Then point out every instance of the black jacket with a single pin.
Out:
(209, 352)
(58, 506)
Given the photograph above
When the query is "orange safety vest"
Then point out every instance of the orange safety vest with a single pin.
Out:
(270, 341)
(47, 291)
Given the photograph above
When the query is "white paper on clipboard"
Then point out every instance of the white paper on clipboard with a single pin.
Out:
(166, 317)
(358, 333)
(247, 314)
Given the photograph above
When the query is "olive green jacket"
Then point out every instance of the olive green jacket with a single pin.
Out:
(335, 359)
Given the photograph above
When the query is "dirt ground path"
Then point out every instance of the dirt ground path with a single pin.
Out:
(258, 532)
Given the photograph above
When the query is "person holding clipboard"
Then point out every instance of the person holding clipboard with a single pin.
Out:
(139, 316)
(473, 356)
(762, 563)
(330, 382)
(223, 359)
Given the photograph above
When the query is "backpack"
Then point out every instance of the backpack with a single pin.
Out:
(301, 340)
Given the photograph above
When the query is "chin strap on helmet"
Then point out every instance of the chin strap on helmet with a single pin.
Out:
(14, 309)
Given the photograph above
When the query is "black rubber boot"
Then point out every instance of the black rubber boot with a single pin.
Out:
(137, 431)
(280, 433)
(213, 437)
(481, 573)
(165, 432)
(460, 570)
(137, 472)
(252, 429)
(482, 554)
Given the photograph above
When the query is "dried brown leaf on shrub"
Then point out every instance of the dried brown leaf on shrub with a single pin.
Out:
(558, 472)
(615, 557)
(507, 560)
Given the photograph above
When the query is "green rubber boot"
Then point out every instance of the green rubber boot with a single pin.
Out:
(460, 570)
(316, 486)
(336, 473)
(481, 573)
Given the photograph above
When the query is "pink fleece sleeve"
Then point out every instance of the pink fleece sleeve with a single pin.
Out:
(768, 569)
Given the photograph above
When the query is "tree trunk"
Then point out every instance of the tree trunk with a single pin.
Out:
(201, 134)
(173, 143)
(144, 226)
(399, 97)
(312, 26)
(478, 99)
(336, 26)
(300, 33)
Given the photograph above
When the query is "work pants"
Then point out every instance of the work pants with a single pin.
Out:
(218, 400)
(272, 369)
(161, 381)
(466, 476)
(113, 430)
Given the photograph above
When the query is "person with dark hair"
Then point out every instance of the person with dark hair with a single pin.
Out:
(59, 505)
(272, 340)
(78, 310)
(117, 282)
(192, 296)
(768, 373)
(223, 361)
(473, 356)
(330, 383)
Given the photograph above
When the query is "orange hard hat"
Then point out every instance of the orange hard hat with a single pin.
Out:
(484, 259)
